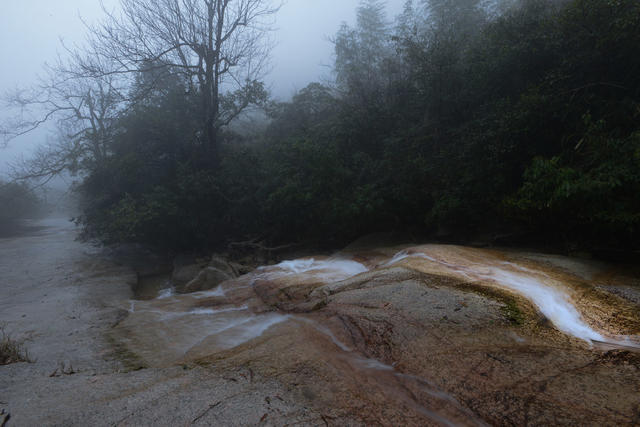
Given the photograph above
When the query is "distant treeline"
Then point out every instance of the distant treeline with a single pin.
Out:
(17, 201)
(458, 120)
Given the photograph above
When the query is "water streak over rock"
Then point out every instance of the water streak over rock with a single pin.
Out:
(436, 335)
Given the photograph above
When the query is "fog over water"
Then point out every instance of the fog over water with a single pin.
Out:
(31, 32)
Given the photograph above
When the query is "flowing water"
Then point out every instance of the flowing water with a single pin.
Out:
(326, 270)
(172, 327)
(176, 328)
(231, 315)
(549, 294)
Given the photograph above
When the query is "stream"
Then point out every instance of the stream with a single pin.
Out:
(174, 328)
(550, 295)
(185, 325)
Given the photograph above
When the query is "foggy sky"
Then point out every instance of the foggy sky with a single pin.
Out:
(30, 33)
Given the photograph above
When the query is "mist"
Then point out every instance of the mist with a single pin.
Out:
(303, 51)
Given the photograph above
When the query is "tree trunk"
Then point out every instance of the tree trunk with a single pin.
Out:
(211, 77)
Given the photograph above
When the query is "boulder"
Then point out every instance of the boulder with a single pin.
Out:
(222, 264)
(185, 274)
(242, 269)
(208, 278)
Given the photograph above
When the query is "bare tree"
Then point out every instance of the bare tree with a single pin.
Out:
(219, 46)
(84, 111)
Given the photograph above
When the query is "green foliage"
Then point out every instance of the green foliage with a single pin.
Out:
(593, 195)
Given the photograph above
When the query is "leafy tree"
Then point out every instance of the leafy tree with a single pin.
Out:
(361, 52)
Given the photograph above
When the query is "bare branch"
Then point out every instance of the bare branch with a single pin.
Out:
(216, 45)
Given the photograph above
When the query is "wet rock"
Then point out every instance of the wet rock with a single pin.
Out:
(193, 275)
(433, 338)
(293, 298)
(629, 293)
(223, 265)
(185, 274)
(206, 279)
(241, 268)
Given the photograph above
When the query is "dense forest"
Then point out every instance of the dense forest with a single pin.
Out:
(459, 120)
